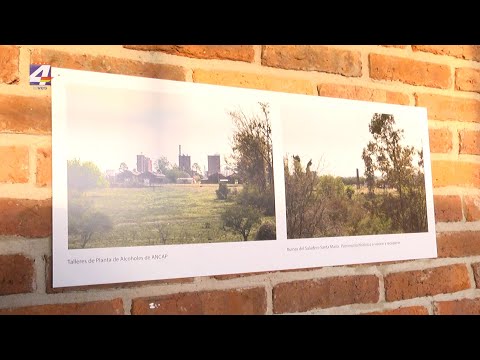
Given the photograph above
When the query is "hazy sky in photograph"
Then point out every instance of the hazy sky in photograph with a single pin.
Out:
(111, 126)
(334, 136)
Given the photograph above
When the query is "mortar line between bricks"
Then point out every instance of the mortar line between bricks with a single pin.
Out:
(25, 139)
(463, 207)
(364, 58)
(127, 305)
(430, 308)
(24, 67)
(471, 275)
(257, 55)
(381, 286)
(40, 275)
(443, 227)
(434, 308)
(188, 75)
(269, 295)
(455, 190)
(452, 124)
(463, 159)
(25, 191)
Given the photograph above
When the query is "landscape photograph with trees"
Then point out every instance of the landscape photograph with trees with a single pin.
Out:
(170, 169)
(350, 171)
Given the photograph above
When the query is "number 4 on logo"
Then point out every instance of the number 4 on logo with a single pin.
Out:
(40, 74)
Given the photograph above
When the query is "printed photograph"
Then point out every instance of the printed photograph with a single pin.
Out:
(149, 168)
(350, 171)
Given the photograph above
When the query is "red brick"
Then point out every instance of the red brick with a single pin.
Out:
(9, 64)
(476, 272)
(413, 72)
(251, 301)
(28, 115)
(16, 274)
(44, 167)
(458, 307)
(51, 290)
(447, 208)
(469, 142)
(14, 168)
(362, 93)
(29, 218)
(468, 52)
(313, 58)
(441, 107)
(446, 173)
(108, 64)
(254, 81)
(418, 283)
(409, 310)
(103, 307)
(467, 79)
(458, 244)
(472, 207)
(222, 52)
(440, 140)
(304, 295)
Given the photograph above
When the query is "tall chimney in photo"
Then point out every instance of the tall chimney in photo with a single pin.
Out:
(358, 180)
(179, 150)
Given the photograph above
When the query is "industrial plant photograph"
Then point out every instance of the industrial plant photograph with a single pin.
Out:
(159, 168)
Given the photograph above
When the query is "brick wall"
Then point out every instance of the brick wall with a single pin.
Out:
(445, 79)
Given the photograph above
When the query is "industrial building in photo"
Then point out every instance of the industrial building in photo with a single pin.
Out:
(213, 164)
(144, 164)
(145, 175)
(184, 162)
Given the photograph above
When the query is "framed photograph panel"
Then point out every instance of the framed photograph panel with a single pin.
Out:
(158, 179)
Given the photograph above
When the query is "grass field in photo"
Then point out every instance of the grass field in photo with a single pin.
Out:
(167, 214)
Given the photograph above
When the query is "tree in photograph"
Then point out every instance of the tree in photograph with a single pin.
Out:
(241, 219)
(222, 191)
(163, 231)
(266, 231)
(252, 159)
(305, 208)
(162, 165)
(84, 222)
(389, 165)
(252, 147)
(123, 167)
(84, 176)
(197, 169)
(415, 217)
(175, 173)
